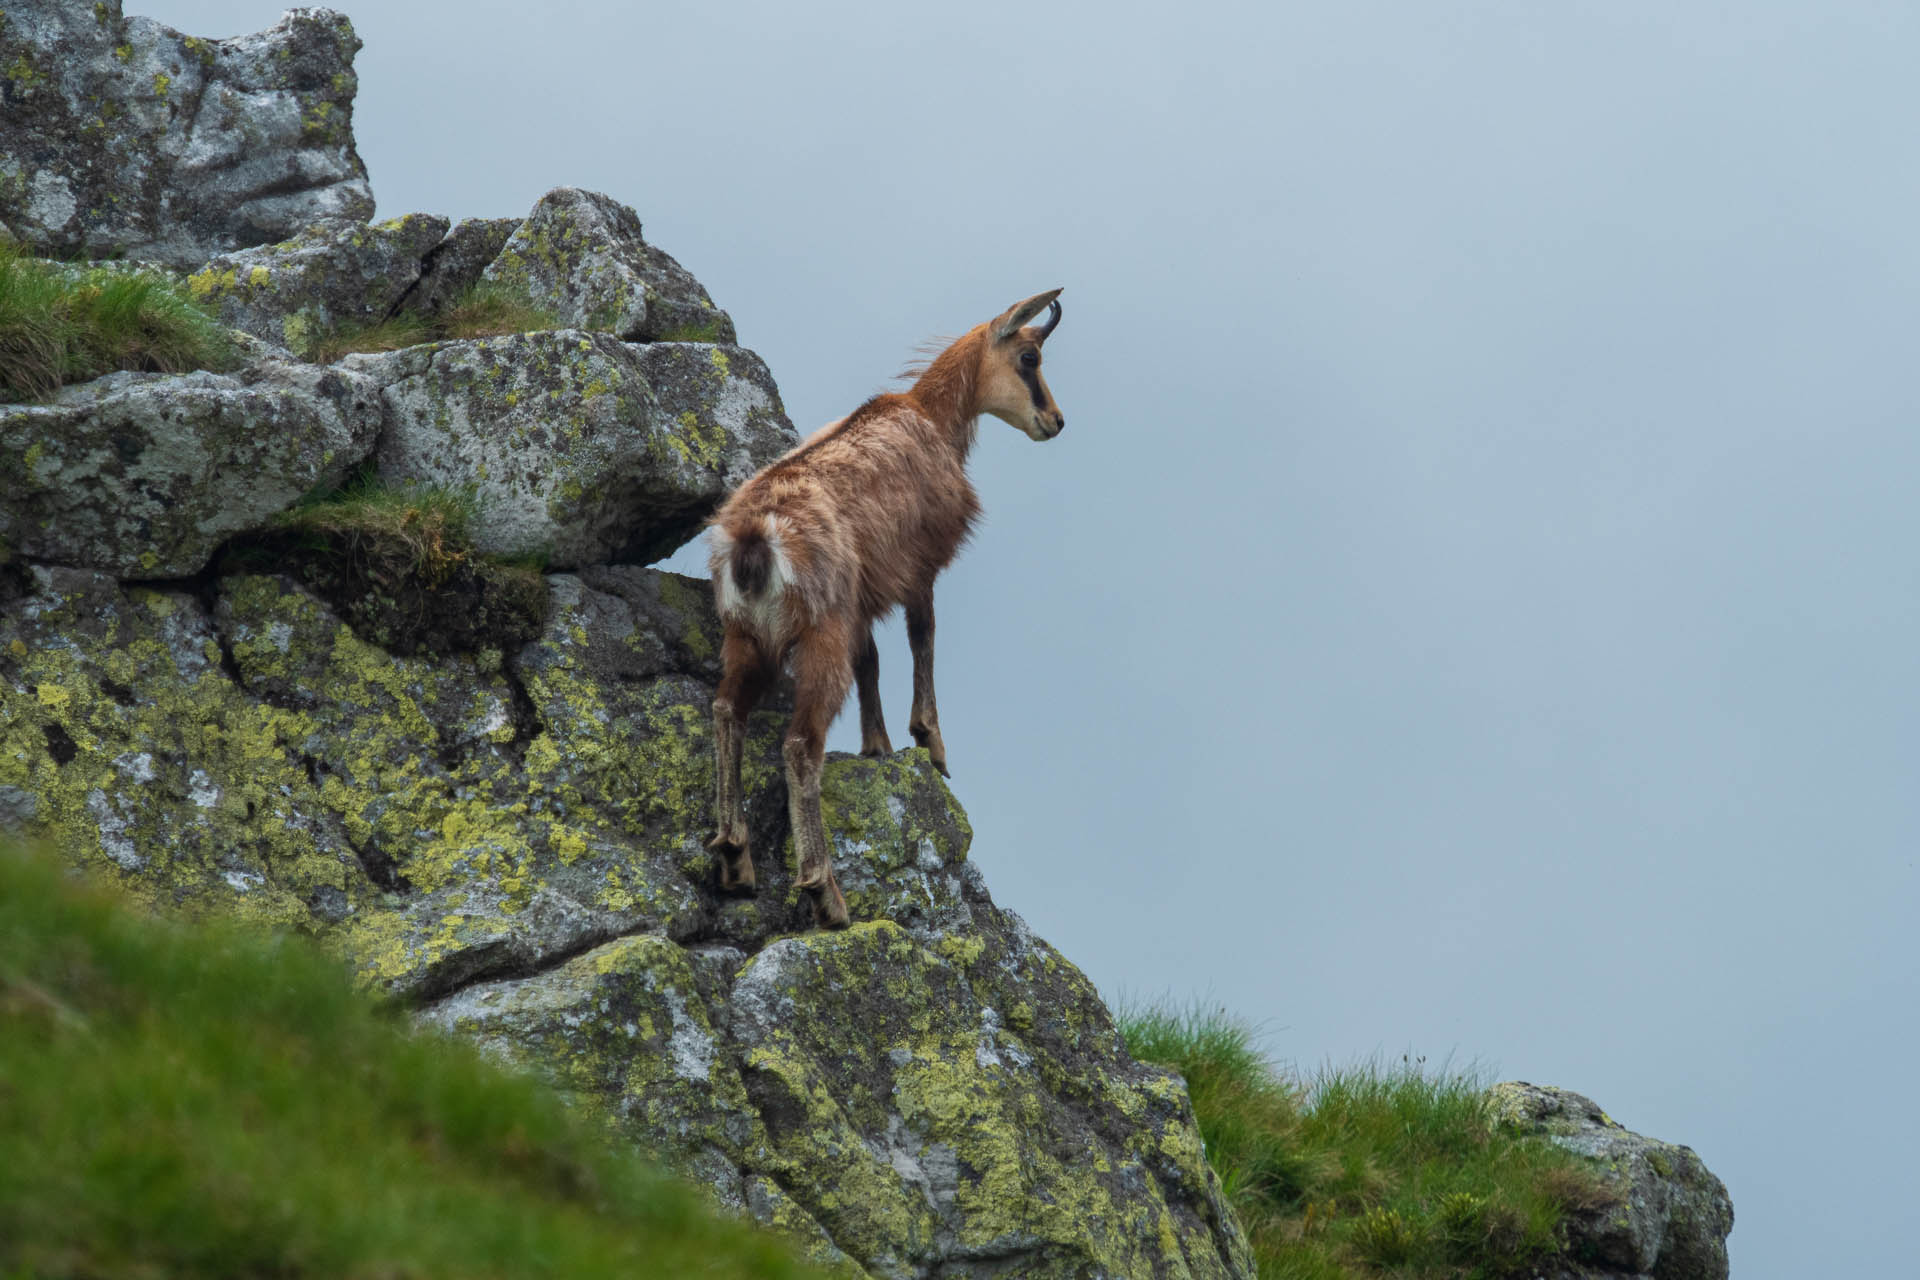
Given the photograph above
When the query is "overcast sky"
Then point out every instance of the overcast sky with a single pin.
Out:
(1474, 609)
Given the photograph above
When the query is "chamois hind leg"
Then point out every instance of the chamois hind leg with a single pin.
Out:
(822, 670)
(748, 673)
(866, 677)
(924, 723)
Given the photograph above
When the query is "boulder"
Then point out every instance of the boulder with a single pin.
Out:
(1671, 1216)
(580, 256)
(578, 447)
(328, 275)
(455, 264)
(143, 475)
(122, 136)
(512, 841)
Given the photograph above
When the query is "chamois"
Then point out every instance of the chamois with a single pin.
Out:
(825, 541)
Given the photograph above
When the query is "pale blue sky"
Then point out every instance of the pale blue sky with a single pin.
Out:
(1474, 610)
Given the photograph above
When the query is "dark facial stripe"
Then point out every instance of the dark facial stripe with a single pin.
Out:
(1032, 378)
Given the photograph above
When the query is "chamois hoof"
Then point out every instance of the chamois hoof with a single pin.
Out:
(735, 867)
(829, 905)
(936, 749)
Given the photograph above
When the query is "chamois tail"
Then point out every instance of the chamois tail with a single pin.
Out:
(751, 562)
(751, 575)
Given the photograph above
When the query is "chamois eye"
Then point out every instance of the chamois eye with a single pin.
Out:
(1029, 359)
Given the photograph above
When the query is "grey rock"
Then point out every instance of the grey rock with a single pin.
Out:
(122, 136)
(576, 445)
(328, 275)
(143, 475)
(1672, 1215)
(455, 264)
(580, 255)
(17, 807)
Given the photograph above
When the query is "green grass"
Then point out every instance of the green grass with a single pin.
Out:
(196, 1100)
(1366, 1171)
(424, 530)
(487, 310)
(62, 324)
(393, 334)
(483, 311)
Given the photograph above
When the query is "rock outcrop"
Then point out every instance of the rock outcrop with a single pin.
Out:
(581, 257)
(327, 276)
(143, 475)
(577, 446)
(512, 842)
(1671, 1216)
(122, 136)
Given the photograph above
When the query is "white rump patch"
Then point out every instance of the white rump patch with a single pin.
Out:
(763, 614)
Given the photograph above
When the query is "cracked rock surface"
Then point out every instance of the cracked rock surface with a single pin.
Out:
(581, 256)
(326, 276)
(577, 446)
(121, 135)
(144, 474)
(511, 841)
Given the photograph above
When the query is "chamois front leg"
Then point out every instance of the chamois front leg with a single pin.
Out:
(866, 677)
(924, 723)
(747, 675)
(822, 670)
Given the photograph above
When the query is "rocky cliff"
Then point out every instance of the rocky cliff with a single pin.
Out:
(487, 789)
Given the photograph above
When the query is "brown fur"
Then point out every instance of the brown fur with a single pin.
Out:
(809, 553)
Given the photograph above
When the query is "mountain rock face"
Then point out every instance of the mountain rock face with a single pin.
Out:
(122, 136)
(512, 842)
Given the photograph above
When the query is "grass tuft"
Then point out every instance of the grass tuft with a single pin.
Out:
(484, 311)
(425, 530)
(393, 334)
(199, 1100)
(1364, 1171)
(61, 324)
(487, 311)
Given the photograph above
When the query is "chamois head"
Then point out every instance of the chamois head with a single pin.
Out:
(1010, 386)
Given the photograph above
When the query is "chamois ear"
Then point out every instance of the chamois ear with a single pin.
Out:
(1014, 317)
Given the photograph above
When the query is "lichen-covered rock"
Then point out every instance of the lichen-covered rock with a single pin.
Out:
(578, 446)
(580, 255)
(1672, 1216)
(143, 475)
(515, 841)
(326, 276)
(455, 264)
(923, 1116)
(120, 135)
(135, 751)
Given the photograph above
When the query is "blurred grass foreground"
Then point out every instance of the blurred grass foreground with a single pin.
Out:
(198, 1100)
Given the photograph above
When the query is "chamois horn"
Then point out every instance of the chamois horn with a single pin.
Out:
(1053, 318)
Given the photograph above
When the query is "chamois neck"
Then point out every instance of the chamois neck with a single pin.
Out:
(946, 391)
